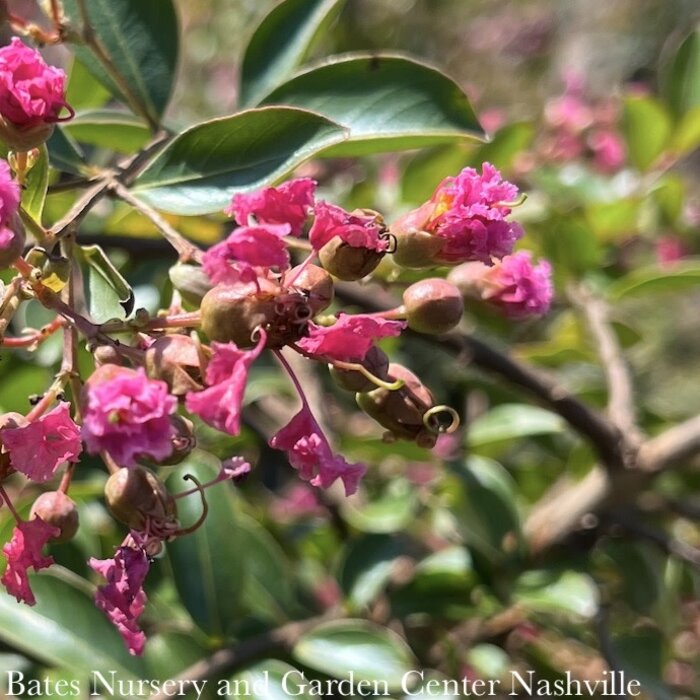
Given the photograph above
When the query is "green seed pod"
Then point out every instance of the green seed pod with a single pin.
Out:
(191, 281)
(316, 284)
(347, 262)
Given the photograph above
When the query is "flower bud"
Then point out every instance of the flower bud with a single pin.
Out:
(348, 262)
(176, 360)
(401, 411)
(191, 281)
(433, 306)
(376, 361)
(136, 496)
(107, 355)
(317, 284)
(58, 510)
(24, 138)
(467, 278)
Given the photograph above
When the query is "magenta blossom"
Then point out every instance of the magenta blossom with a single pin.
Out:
(247, 248)
(310, 454)
(349, 338)
(31, 93)
(123, 599)
(290, 203)
(356, 229)
(9, 194)
(226, 376)
(38, 448)
(516, 286)
(127, 414)
(24, 551)
(608, 150)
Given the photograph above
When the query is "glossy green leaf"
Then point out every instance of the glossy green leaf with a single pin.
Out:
(270, 679)
(647, 127)
(65, 629)
(372, 652)
(686, 135)
(280, 44)
(141, 39)
(390, 512)
(108, 128)
(653, 280)
(208, 565)
(367, 567)
(386, 102)
(567, 592)
(681, 77)
(107, 294)
(489, 661)
(483, 501)
(513, 421)
(84, 91)
(65, 154)
(643, 654)
(432, 684)
(199, 171)
(36, 186)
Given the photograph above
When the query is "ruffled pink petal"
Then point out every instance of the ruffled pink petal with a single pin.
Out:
(9, 203)
(357, 230)
(38, 448)
(24, 551)
(349, 338)
(310, 454)
(227, 375)
(290, 203)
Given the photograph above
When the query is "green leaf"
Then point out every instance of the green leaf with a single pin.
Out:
(65, 629)
(513, 421)
(141, 39)
(36, 186)
(367, 567)
(264, 681)
(208, 565)
(387, 103)
(281, 43)
(64, 154)
(642, 653)
(107, 294)
(107, 128)
(647, 127)
(681, 77)
(546, 591)
(507, 143)
(612, 220)
(686, 136)
(391, 512)
(372, 652)
(424, 172)
(84, 91)
(652, 280)
(200, 170)
(489, 661)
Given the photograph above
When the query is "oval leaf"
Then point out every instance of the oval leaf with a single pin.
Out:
(281, 43)
(372, 652)
(206, 165)
(681, 84)
(511, 421)
(647, 127)
(267, 680)
(557, 592)
(652, 280)
(141, 40)
(108, 128)
(36, 186)
(208, 566)
(65, 629)
(387, 102)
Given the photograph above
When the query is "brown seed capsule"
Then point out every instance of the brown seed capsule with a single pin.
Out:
(401, 411)
(57, 509)
(137, 496)
(316, 284)
(176, 360)
(376, 361)
(433, 306)
(347, 262)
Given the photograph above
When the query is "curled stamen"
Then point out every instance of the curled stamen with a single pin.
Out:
(433, 419)
(257, 334)
(354, 367)
(392, 241)
(205, 509)
(515, 203)
(280, 307)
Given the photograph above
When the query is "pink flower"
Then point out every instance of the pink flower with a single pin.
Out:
(235, 468)
(127, 415)
(9, 196)
(24, 551)
(247, 248)
(518, 287)
(31, 92)
(290, 203)
(349, 338)
(123, 598)
(310, 454)
(669, 251)
(357, 230)
(608, 150)
(227, 374)
(38, 448)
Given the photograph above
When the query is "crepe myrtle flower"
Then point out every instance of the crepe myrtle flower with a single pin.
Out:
(12, 236)
(464, 220)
